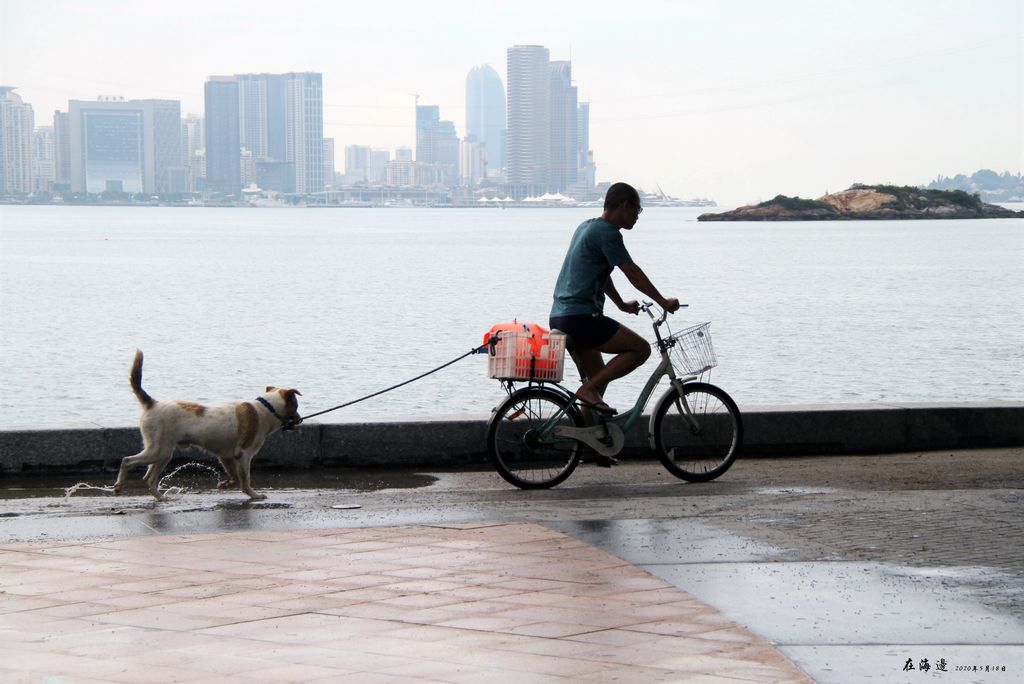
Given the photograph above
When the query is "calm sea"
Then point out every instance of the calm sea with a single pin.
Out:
(342, 302)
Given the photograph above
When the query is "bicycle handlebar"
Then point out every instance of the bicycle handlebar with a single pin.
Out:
(648, 308)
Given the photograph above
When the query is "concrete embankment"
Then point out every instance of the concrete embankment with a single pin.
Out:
(447, 442)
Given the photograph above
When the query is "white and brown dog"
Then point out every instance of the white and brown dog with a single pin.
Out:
(234, 433)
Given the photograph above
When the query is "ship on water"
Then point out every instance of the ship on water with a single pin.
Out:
(662, 199)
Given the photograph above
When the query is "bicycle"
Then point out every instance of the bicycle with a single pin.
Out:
(536, 436)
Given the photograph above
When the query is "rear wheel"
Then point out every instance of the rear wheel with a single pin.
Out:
(701, 440)
(523, 452)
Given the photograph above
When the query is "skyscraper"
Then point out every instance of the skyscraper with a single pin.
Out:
(329, 171)
(17, 131)
(275, 119)
(124, 145)
(45, 148)
(357, 164)
(564, 129)
(192, 149)
(223, 161)
(529, 120)
(261, 126)
(437, 147)
(62, 132)
(583, 134)
(304, 129)
(427, 119)
(485, 114)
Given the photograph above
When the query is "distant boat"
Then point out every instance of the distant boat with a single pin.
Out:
(661, 199)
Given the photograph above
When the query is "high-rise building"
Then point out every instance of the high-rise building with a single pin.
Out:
(304, 129)
(261, 124)
(377, 172)
(528, 153)
(427, 118)
(62, 133)
(124, 145)
(17, 131)
(485, 114)
(45, 162)
(583, 134)
(564, 129)
(193, 148)
(366, 165)
(328, 161)
(437, 148)
(223, 160)
(357, 164)
(275, 118)
(473, 161)
(168, 166)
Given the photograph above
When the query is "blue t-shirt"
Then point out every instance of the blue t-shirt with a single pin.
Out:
(596, 249)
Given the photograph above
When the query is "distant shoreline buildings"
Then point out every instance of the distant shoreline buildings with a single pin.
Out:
(261, 137)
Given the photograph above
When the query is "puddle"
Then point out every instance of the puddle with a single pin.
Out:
(836, 602)
(777, 491)
(840, 621)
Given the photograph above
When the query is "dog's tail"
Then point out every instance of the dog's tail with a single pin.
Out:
(136, 378)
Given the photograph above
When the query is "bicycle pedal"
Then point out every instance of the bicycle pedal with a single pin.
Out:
(515, 414)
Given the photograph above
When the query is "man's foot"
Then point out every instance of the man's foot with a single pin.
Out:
(587, 398)
(600, 407)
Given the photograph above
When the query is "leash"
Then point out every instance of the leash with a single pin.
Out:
(476, 350)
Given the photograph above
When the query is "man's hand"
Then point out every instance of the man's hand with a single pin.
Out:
(671, 305)
(633, 307)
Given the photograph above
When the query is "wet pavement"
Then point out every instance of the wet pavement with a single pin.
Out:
(852, 567)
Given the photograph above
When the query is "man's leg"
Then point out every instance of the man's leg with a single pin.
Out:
(631, 352)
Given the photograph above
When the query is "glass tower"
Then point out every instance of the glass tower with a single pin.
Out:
(528, 153)
(485, 113)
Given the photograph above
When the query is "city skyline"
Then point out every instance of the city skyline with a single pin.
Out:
(737, 101)
(264, 132)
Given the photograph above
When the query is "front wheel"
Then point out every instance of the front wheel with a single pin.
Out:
(699, 435)
(523, 449)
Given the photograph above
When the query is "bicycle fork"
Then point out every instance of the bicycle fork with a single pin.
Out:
(684, 408)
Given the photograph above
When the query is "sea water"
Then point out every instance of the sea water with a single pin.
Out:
(340, 303)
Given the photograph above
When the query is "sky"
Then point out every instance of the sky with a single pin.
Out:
(735, 100)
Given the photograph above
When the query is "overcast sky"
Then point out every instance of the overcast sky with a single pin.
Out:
(737, 101)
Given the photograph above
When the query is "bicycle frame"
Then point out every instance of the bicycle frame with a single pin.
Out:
(607, 436)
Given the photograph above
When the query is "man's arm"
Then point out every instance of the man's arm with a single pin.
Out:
(613, 294)
(640, 281)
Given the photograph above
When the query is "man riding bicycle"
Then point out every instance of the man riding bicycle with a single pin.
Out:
(595, 251)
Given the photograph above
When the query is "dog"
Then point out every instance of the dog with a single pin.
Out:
(233, 433)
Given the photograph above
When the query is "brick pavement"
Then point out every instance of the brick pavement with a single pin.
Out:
(454, 603)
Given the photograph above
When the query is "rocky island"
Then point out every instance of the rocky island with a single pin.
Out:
(870, 202)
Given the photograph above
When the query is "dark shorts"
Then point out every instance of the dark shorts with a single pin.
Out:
(586, 331)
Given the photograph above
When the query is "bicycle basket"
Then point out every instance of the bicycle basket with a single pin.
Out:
(691, 350)
(519, 356)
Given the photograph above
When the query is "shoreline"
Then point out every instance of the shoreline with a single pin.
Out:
(769, 431)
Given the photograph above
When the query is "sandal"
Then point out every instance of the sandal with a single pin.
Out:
(600, 407)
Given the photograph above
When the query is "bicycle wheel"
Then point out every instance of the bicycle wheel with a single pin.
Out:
(702, 445)
(519, 452)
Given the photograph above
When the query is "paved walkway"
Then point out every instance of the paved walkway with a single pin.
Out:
(473, 602)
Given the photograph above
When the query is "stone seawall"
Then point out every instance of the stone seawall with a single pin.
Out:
(451, 442)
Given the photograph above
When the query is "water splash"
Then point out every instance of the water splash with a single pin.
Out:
(70, 491)
(191, 465)
(164, 490)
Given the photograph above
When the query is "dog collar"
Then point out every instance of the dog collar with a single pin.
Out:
(285, 424)
(268, 405)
